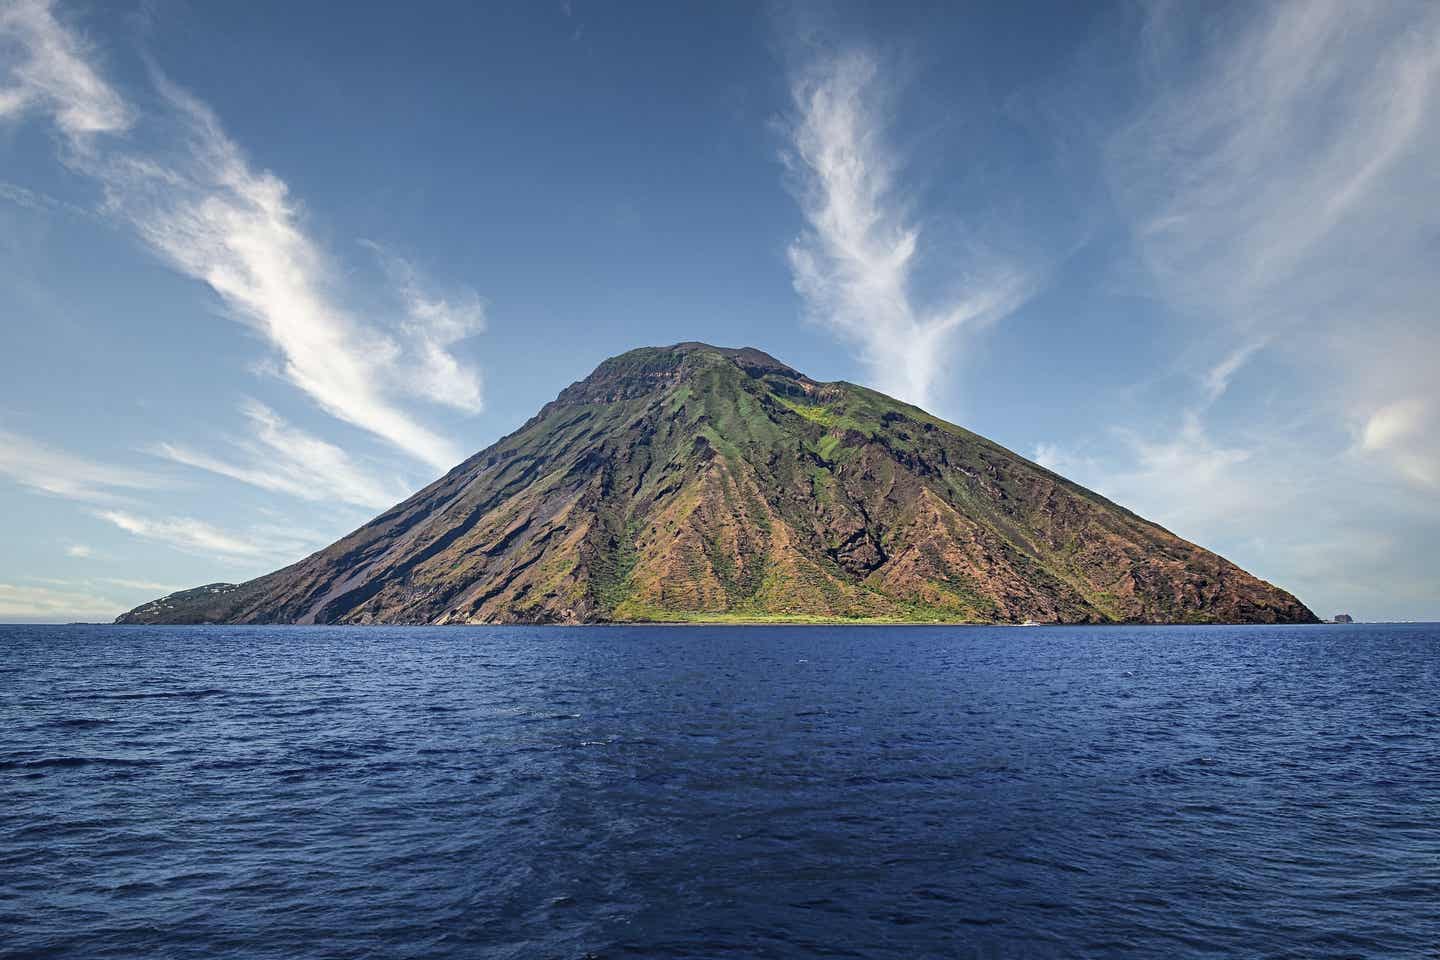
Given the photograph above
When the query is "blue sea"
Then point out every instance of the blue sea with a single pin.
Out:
(701, 792)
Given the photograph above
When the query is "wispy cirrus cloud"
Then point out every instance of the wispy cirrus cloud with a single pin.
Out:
(92, 598)
(855, 264)
(32, 200)
(148, 586)
(282, 458)
(432, 324)
(196, 200)
(209, 214)
(1279, 188)
(1189, 481)
(47, 469)
(21, 601)
(185, 533)
(115, 494)
(1218, 378)
(51, 72)
(1277, 181)
(198, 537)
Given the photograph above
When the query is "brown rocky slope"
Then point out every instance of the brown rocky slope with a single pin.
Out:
(698, 483)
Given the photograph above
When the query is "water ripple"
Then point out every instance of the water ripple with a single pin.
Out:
(697, 792)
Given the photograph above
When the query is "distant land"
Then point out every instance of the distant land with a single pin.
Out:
(697, 483)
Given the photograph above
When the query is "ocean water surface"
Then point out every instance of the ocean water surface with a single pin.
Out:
(720, 792)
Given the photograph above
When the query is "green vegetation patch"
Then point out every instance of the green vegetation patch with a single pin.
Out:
(612, 568)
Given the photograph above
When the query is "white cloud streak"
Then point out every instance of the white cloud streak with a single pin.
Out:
(148, 586)
(92, 598)
(111, 491)
(260, 543)
(433, 324)
(285, 459)
(1283, 183)
(1279, 183)
(45, 469)
(31, 200)
(1218, 377)
(29, 602)
(51, 72)
(209, 214)
(214, 218)
(186, 534)
(1189, 482)
(854, 265)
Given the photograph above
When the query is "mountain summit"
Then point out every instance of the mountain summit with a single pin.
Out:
(693, 482)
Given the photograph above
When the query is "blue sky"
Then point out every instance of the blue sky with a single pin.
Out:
(266, 268)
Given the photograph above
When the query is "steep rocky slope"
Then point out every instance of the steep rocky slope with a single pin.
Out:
(698, 483)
